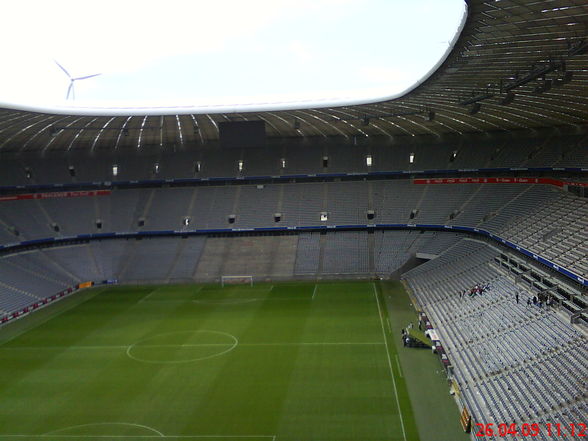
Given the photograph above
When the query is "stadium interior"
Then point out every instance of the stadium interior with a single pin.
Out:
(470, 193)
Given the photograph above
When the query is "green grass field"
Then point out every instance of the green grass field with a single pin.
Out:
(290, 361)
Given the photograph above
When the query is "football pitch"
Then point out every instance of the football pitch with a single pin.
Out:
(288, 361)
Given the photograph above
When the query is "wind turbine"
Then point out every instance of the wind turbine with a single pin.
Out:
(72, 80)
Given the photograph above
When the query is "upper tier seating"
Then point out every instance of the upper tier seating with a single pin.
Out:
(343, 157)
(556, 230)
(541, 218)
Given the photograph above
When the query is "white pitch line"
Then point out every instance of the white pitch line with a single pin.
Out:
(326, 343)
(81, 426)
(398, 364)
(142, 299)
(314, 291)
(236, 301)
(168, 300)
(273, 437)
(89, 347)
(389, 361)
(51, 316)
(198, 290)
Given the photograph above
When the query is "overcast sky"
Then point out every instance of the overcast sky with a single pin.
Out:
(219, 51)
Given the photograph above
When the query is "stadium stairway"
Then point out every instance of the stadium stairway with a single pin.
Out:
(502, 350)
(261, 257)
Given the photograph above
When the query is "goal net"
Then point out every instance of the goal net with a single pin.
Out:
(236, 280)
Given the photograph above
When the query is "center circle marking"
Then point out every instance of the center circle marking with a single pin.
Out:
(224, 348)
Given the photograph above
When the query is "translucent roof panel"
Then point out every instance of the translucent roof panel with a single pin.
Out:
(222, 54)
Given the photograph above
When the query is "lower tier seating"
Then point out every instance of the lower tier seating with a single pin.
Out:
(514, 362)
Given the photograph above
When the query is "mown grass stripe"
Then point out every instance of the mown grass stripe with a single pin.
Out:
(389, 361)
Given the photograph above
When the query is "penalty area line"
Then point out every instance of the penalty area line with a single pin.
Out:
(148, 295)
(197, 292)
(314, 291)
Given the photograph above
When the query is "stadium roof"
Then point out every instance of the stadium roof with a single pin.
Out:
(517, 64)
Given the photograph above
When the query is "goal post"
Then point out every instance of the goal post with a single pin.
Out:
(236, 280)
